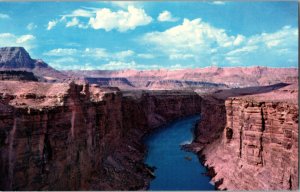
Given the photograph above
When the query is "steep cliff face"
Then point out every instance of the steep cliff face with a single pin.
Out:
(59, 141)
(257, 148)
(70, 137)
(156, 108)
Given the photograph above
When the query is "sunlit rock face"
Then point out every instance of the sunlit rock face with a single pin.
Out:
(199, 78)
(58, 136)
(256, 142)
(54, 135)
(15, 57)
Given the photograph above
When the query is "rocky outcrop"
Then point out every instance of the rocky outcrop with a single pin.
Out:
(18, 59)
(15, 57)
(255, 143)
(69, 137)
(56, 139)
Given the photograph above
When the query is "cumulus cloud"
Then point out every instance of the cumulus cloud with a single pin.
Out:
(4, 16)
(31, 26)
(105, 18)
(166, 16)
(120, 20)
(202, 43)
(51, 24)
(193, 39)
(11, 40)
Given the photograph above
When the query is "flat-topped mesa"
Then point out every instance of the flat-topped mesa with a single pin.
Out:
(15, 57)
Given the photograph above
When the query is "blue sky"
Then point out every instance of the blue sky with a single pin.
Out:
(152, 35)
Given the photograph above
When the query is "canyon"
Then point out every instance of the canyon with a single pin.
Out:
(63, 131)
(68, 137)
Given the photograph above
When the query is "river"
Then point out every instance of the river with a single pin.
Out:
(176, 169)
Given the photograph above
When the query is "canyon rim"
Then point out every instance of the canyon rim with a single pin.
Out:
(111, 74)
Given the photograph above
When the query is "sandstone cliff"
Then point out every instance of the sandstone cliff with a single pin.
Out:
(251, 143)
(69, 137)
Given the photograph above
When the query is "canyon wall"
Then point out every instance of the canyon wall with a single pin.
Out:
(255, 143)
(55, 139)
(78, 137)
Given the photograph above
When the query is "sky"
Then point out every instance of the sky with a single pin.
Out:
(153, 35)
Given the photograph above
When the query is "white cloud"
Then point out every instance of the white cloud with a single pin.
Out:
(11, 40)
(166, 16)
(105, 18)
(60, 52)
(31, 26)
(4, 16)
(80, 13)
(178, 56)
(123, 54)
(64, 63)
(24, 39)
(64, 58)
(238, 40)
(218, 3)
(100, 53)
(146, 55)
(120, 20)
(95, 53)
(114, 65)
(193, 39)
(242, 50)
(73, 22)
(126, 4)
(200, 43)
(52, 24)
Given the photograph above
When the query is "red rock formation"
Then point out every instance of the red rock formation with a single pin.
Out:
(69, 137)
(55, 139)
(170, 79)
(258, 145)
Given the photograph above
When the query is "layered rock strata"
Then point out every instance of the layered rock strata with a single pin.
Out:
(255, 140)
(70, 137)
